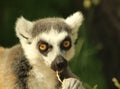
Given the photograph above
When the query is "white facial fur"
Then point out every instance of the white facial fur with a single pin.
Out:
(53, 37)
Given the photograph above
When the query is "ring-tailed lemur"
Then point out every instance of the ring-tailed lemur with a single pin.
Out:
(46, 46)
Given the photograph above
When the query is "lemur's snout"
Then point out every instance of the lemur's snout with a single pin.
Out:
(59, 63)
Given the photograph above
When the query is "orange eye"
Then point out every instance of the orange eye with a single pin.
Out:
(43, 47)
(66, 44)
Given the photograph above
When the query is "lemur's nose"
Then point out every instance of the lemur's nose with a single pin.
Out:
(59, 63)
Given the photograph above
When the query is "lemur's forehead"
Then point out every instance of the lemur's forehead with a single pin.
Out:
(44, 25)
(53, 37)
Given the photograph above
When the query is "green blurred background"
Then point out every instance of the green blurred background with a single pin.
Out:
(97, 58)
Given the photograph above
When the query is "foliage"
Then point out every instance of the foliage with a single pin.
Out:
(87, 86)
(86, 64)
(116, 82)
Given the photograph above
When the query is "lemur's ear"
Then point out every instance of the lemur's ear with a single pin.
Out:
(75, 21)
(23, 28)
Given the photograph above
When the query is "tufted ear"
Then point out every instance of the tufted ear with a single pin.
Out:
(75, 21)
(23, 29)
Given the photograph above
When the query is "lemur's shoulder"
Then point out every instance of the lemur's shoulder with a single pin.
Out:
(15, 52)
(12, 51)
(1, 51)
(13, 65)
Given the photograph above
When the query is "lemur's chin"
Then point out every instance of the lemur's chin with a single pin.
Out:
(59, 64)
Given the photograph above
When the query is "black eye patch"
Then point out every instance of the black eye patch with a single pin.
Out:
(66, 44)
(44, 47)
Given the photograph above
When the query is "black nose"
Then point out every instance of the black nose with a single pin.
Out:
(59, 63)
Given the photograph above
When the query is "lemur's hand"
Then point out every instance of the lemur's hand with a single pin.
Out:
(72, 83)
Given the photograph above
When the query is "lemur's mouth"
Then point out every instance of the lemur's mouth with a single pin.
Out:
(59, 64)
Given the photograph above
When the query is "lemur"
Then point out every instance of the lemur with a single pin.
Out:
(40, 60)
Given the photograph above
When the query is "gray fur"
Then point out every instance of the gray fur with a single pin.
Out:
(44, 25)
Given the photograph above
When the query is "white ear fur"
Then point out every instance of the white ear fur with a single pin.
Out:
(23, 28)
(75, 20)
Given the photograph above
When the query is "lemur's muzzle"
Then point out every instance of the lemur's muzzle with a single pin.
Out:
(59, 64)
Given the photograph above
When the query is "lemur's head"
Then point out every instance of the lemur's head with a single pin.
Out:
(50, 40)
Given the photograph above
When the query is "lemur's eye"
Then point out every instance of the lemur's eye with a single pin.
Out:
(66, 44)
(43, 47)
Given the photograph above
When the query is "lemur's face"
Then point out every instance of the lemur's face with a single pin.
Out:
(56, 48)
(49, 40)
